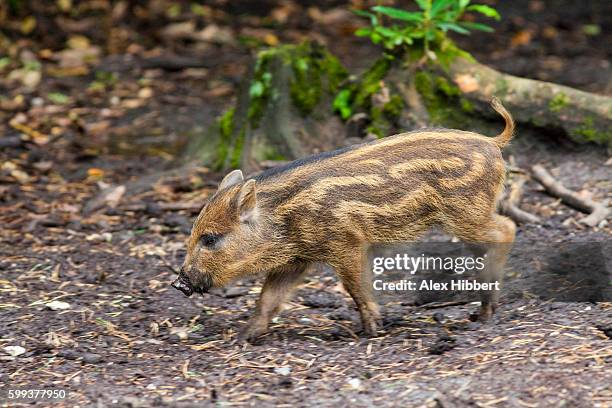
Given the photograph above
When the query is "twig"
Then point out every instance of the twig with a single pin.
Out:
(598, 211)
(439, 305)
(510, 204)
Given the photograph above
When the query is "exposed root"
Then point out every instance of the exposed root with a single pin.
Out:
(598, 211)
(510, 203)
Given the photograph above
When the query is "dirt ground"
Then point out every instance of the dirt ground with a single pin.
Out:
(129, 339)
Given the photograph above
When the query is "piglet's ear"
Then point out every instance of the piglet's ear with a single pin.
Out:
(247, 201)
(233, 177)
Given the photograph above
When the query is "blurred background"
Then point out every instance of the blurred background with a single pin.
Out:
(142, 77)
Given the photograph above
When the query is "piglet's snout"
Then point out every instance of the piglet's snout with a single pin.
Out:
(182, 283)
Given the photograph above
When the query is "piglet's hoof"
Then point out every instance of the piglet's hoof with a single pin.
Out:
(486, 313)
(251, 334)
(370, 328)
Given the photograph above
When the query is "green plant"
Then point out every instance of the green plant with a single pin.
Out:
(424, 29)
(103, 80)
(58, 98)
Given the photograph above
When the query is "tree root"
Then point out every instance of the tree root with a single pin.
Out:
(598, 211)
(583, 116)
(510, 203)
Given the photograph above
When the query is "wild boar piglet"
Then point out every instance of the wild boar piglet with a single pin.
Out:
(329, 207)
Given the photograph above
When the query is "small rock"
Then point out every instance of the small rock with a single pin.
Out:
(355, 383)
(473, 326)
(282, 370)
(92, 358)
(14, 350)
(438, 317)
(305, 321)
(58, 305)
(181, 332)
(68, 354)
(105, 236)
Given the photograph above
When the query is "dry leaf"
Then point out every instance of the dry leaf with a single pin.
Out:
(467, 83)
(521, 38)
(95, 172)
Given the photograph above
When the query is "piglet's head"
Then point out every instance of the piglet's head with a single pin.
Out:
(227, 238)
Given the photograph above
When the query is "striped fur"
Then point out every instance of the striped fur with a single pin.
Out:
(329, 207)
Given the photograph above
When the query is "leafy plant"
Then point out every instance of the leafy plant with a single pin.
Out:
(103, 80)
(426, 27)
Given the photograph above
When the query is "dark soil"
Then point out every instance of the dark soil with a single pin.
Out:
(129, 339)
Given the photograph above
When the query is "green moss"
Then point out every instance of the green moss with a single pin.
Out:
(370, 82)
(225, 124)
(501, 87)
(444, 86)
(393, 109)
(237, 150)
(272, 154)
(588, 133)
(315, 70)
(539, 121)
(447, 51)
(228, 150)
(357, 97)
(443, 100)
(379, 124)
(559, 102)
(315, 73)
(260, 88)
(466, 105)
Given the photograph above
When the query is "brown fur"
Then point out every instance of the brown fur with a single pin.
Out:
(328, 208)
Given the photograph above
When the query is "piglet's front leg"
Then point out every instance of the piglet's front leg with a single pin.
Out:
(277, 287)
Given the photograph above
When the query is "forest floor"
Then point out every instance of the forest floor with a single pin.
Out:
(124, 337)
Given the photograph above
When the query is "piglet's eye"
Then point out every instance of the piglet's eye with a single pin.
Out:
(209, 240)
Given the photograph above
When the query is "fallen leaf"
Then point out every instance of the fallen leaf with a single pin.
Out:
(521, 38)
(21, 176)
(180, 332)
(145, 93)
(180, 30)
(78, 42)
(28, 25)
(14, 350)
(64, 5)
(58, 305)
(29, 78)
(271, 39)
(216, 34)
(104, 237)
(95, 173)
(467, 83)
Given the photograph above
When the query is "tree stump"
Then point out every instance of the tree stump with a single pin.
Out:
(283, 112)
